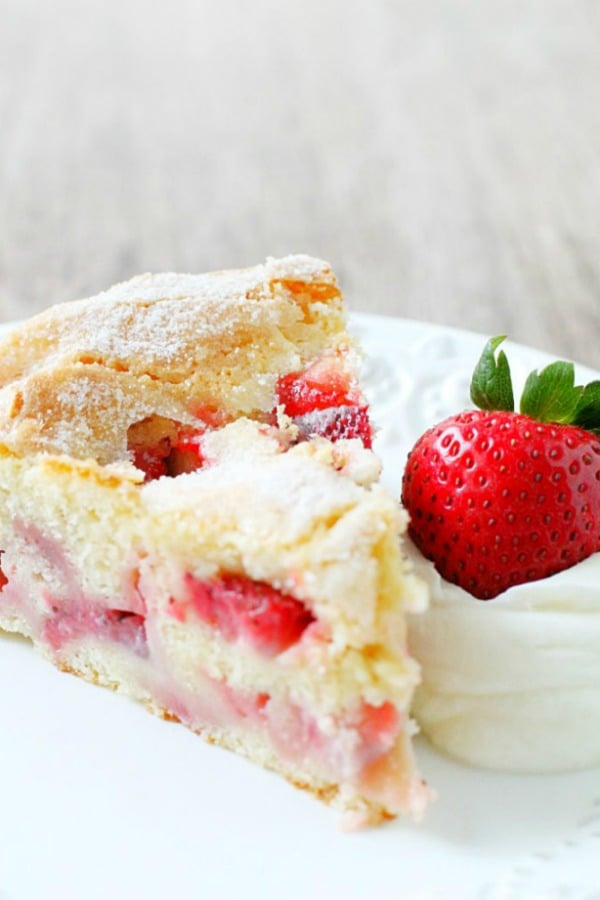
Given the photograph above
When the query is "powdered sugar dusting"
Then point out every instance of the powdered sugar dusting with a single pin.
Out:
(170, 318)
(304, 268)
(219, 285)
(77, 376)
(294, 489)
(166, 331)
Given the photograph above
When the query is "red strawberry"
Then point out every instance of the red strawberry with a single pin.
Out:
(337, 423)
(69, 622)
(317, 388)
(253, 611)
(157, 454)
(152, 461)
(322, 402)
(186, 455)
(149, 442)
(379, 726)
(498, 498)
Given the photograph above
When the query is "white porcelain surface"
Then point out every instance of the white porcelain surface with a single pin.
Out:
(100, 800)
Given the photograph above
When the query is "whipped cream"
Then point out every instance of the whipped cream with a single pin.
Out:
(512, 683)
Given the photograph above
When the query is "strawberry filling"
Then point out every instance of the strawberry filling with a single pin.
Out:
(250, 611)
(357, 746)
(69, 619)
(298, 736)
(305, 392)
(186, 454)
(378, 726)
(152, 461)
(68, 622)
(349, 744)
(323, 402)
(162, 447)
(337, 423)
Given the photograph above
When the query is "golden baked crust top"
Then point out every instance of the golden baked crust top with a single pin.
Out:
(74, 378)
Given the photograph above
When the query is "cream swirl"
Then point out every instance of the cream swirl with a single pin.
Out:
(512, 683)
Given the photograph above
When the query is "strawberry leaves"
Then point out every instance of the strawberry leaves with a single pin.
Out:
(552, 396)
(587, 414)
(491, 385)
(549, 395)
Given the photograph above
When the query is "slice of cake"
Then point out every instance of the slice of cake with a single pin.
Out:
(102, 377)
(183, 518)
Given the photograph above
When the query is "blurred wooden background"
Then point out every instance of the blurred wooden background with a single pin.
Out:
(444, 155)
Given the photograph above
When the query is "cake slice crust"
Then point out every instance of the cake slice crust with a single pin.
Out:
(188, 348)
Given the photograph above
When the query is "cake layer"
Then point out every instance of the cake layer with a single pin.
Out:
(362, 765)
(93, 558)
(199, 350)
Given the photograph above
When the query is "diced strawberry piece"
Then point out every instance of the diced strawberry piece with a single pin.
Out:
(241, 704)
(251, 611)
(210, 416)
(69, 622)
(186, 455)
(304, 392)
(294, 731)
(322, 402)
(178, 609)
(337, 423)
(124, 627)
(190, 442)
(3, 578)
(172, 455)
(379, 725)
(260, 701)
(152, 461)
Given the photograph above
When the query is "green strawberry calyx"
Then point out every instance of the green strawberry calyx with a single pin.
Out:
(549, 395)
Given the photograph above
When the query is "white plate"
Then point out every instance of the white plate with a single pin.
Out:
(100, 800)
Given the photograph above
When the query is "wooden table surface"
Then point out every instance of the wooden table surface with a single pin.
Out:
(444, 155)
